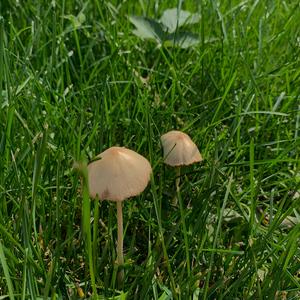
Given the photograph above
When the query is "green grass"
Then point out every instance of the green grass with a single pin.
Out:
(71, 85)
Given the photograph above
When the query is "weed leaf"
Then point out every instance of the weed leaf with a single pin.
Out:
(147, 28)
(173, 18)
(182, 39)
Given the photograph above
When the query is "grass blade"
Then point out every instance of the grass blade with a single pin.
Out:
(6, 273)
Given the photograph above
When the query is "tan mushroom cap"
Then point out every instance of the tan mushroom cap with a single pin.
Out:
(179, 149)
(119, 174)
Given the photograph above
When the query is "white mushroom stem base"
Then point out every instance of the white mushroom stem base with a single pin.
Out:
(120, 258)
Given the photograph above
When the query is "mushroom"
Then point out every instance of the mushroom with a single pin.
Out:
(117, 174)
(179, 150)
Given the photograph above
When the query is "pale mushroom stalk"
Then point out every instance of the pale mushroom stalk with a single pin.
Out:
(180, 150)
(177, 179)
(120, 257)
(177, 199)
(118, 174)
(177, 183)
(185, 237)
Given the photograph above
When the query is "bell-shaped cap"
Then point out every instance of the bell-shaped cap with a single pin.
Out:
(117, 174)
(179, 149)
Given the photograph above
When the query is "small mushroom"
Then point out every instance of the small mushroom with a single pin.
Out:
(179, 150)
(117, 174)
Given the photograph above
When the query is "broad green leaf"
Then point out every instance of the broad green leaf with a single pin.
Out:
(173, 18)
(147, 28)
(182, 39)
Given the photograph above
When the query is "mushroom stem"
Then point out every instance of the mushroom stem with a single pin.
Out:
(177, 182)
(177, 179)
(182, 216)
(120, 258)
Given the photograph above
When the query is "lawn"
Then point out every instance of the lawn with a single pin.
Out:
(76, 79)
